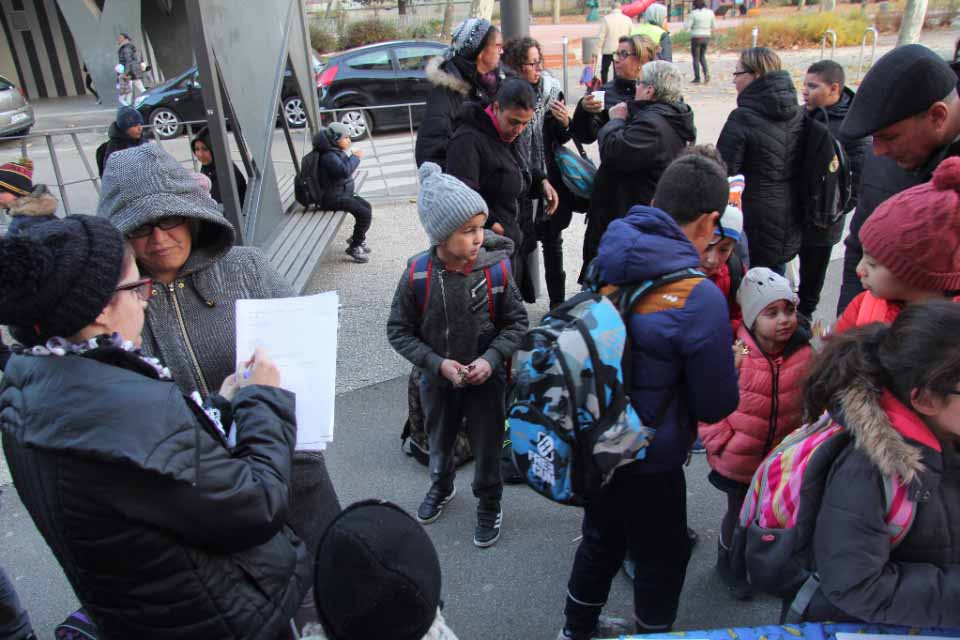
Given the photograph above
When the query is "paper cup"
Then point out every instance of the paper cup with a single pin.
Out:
(598, 95)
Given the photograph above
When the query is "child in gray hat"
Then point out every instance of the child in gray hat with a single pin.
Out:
(458, 316)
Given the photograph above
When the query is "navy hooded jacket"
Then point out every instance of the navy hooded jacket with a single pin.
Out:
(682, 362)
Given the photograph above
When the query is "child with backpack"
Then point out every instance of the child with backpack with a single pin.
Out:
(458, 316)
(680, 371)
(872, 523)
(335, 188)
(772, 354)
(911, 250)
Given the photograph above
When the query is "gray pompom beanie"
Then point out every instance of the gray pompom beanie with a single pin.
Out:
(760, 287)
(444, 203)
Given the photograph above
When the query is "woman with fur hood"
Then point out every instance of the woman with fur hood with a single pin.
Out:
(897, 390)
(469, 71)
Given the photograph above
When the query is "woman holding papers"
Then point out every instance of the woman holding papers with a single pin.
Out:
(161, 529)
(184, 243)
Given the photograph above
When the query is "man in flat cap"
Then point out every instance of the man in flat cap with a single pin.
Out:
(909, 103)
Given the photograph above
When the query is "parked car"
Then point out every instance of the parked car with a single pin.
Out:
(167, 106)
(16, 114)
(379, 74)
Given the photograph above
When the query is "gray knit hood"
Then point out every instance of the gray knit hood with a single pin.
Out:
(145, 184)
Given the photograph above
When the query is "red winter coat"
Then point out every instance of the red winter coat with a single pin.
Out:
(771, 406)
(723, 281)
(865, 309)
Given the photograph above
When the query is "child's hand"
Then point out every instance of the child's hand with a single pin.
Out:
(740, 351)
(478, 371)
(454, 372)
(497, 228)
(358, 153)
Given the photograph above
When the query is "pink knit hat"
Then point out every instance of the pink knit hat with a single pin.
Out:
(916, 233)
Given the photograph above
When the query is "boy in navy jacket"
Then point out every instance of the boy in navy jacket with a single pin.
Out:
(335, 174)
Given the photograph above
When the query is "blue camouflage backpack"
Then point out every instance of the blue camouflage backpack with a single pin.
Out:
(571, 422)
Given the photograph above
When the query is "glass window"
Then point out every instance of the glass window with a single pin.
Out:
(5, 84)
(373, 61)
(415, 58)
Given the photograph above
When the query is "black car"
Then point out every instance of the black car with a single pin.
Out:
(378, 74)
(167, 106)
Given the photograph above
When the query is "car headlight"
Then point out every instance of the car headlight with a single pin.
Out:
(139, 101)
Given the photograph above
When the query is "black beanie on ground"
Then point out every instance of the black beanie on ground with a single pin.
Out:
(58, 276)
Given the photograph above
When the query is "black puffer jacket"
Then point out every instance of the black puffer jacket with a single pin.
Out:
(854, 150)
(633, 155)
(916, 583)
(763, 140)
(493, 168)
(162, 531)
(585, 126)
(454, 83)
(129, 57)
(335, 168)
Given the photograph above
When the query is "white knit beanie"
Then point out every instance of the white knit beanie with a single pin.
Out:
(760, 287)
(445, 203)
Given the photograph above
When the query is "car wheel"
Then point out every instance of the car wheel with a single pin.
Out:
(166, 123)
(358, 121)
(295, 112)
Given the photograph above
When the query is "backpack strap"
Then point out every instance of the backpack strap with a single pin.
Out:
(899, 509)
(421, 270)
(496, 277)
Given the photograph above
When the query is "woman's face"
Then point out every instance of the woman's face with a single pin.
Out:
(532, 67)
(202, 153)
(742, 78)
(124, 313)
(489, 56)
(163, 252)
(626, 64)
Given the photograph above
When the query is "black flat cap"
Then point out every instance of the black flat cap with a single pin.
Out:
(903, 83)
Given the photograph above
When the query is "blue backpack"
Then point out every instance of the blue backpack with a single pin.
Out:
(571, 422)
(577, 172)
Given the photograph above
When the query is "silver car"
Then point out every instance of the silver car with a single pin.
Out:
(16, 114)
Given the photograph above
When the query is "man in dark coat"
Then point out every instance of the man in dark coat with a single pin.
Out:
(469, 71)
(908, 102)
(642, 137)
(125, 132)
(762, 140)
(827, 100)
(483, 155)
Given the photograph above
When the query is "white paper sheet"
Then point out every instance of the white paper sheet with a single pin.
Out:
(300, 335)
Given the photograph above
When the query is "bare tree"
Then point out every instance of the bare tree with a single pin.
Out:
(481, 9)
(556, 11)
(913, 17)
(447, 26)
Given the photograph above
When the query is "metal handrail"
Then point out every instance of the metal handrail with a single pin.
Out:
(863, 46)
(833, 43)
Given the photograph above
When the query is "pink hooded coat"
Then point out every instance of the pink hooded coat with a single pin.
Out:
(771, 406)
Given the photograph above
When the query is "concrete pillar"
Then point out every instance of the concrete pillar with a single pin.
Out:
(169, 31)
(515, 18)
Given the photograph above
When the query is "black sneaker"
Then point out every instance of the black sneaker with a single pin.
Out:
(432, 505)
(356, 252)
(363, 245)
(489, 519)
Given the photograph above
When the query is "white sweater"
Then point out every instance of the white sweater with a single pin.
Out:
(701, 23)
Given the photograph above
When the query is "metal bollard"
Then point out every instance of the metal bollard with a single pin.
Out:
(863, 46)
(754, 34)
(833, 43)
(566, 92)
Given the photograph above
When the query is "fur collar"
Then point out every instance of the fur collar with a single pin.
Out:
(446, 76)
(879, 424)
(39, 203)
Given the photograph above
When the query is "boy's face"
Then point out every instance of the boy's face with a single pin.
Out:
(464, 243)
(716, 255)
(777, 322)
(817, 93)
(6, 198)
(880, 281)
(344, 142)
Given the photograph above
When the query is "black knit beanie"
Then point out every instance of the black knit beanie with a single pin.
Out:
(58, 276)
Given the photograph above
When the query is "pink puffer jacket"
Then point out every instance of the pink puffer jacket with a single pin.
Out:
(771, 406)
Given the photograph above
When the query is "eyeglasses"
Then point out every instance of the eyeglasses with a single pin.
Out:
(623, 54)
(535, 63)
(142, 287)
(740, 73)
(166, 224)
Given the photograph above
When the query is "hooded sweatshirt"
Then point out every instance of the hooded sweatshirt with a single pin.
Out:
(456, 323)
(681, 361)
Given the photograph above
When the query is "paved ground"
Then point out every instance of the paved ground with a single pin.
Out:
(516, 589)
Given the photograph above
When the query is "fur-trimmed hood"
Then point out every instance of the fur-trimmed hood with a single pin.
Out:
(881, 426)
(446, 75)
(40, 202)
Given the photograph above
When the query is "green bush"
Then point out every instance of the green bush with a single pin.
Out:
(429, 30)
(369, 31)
(322, 41)
(800, 30)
